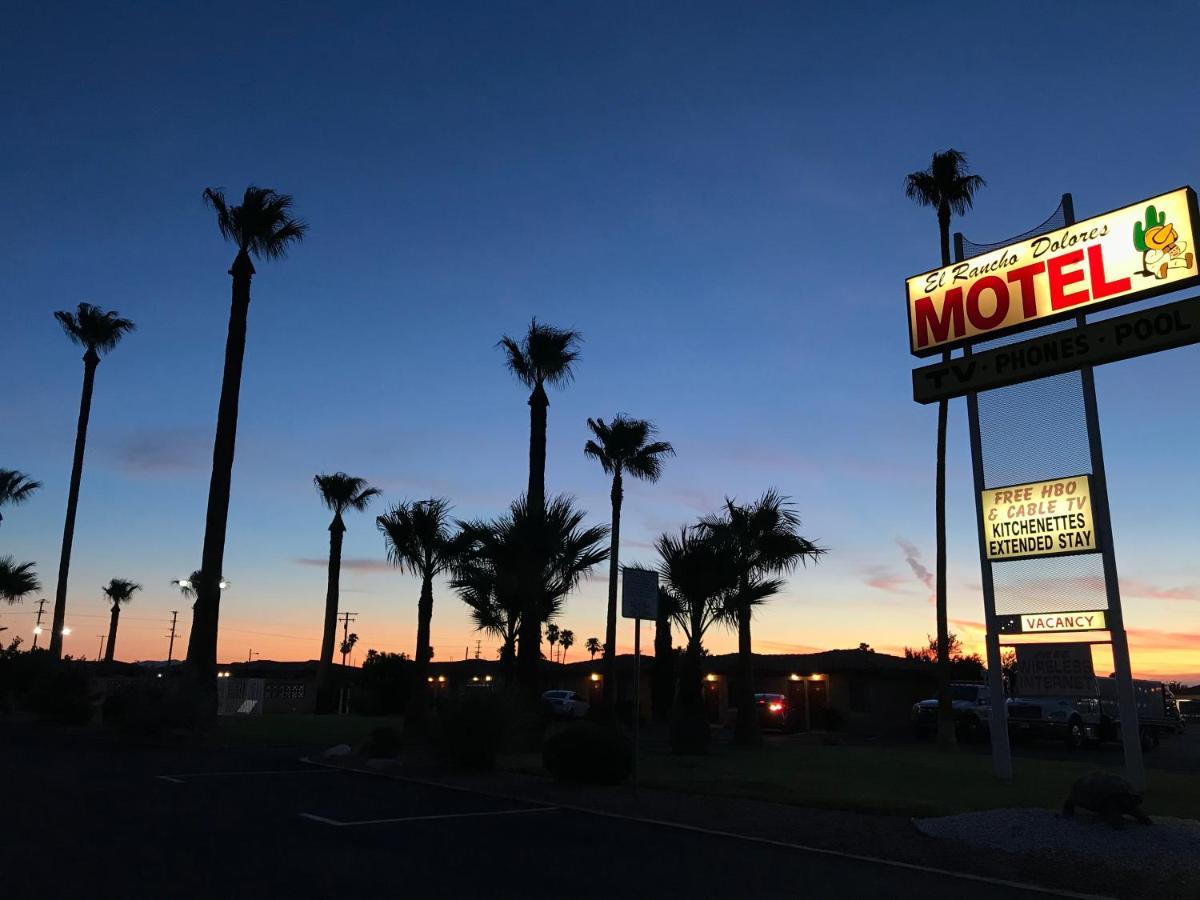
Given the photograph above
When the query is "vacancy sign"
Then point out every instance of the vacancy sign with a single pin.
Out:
(1043, 518)
(1128, 254)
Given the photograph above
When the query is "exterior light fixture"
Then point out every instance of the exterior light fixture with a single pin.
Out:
(37, 629)
(487, 677)
(594, 676)
(474, 677)
(710, 677)
(430, 679)
(441, 679)
(793, 677)
(66, 630)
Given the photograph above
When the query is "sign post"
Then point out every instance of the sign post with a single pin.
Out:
(639, 600)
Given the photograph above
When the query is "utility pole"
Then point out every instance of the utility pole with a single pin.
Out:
(250, 653)
(100, 652)
(347, 618)
(477, 646)
(37, 628)
(171, 646)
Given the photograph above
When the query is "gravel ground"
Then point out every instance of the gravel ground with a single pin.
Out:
(1169, 845)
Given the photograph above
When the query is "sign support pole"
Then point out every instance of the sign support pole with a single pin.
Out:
(1135, 769)
(1001, 752)
(637, 695)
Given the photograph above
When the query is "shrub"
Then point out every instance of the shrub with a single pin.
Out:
(473, 731)
(689, 731)
(382, 743)
(62, 693)
(589, 753)
(148, 706)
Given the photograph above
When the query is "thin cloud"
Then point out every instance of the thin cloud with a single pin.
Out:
(912, 556)
(884, 579)
(1134, 587)
(162, 451)
(352, 564)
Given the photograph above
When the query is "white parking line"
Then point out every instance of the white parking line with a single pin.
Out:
(178, 777)
(502, 812)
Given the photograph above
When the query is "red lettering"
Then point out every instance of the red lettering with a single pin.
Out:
(934, 330)
(1061, 279)
(1024, 277)
(1101, 287)
(975, 315)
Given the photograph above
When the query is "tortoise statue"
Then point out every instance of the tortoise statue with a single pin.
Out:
(1110, 796)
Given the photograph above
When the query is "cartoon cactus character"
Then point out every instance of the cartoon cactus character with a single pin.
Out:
(1154, 219)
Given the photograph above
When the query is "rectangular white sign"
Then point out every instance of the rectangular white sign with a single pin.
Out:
(1041, 518)
(1131, 253)
(639, 594)
(1035, 623)
(1055, 670)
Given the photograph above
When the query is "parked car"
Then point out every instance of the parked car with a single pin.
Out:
(1189, 708)
(972, 707)
(775, 713)
(565, 704)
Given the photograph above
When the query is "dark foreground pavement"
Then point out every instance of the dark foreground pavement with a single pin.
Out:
(88, 816)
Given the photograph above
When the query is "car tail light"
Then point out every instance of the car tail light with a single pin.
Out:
(776, 707)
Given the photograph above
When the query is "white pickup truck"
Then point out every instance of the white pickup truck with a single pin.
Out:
(1078, 720)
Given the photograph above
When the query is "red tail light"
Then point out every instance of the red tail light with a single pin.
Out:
(776, 707)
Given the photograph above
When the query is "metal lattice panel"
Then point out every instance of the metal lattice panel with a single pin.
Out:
(1058, 219)
(1056, 584)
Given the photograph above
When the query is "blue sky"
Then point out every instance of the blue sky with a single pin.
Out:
(711, 193)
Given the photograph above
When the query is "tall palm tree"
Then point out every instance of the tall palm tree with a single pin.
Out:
(552, 638)
(486, 578)
(592, 646)
(15, 488)
(118, 590)
(419, 539)
(949, 188)
(16, 580)
(544, 356)
(761, 541)
(698, 579)
(622, 446)
(341, 493)
(566, 640)
(347, 646)
(98, 332)
(262, 227)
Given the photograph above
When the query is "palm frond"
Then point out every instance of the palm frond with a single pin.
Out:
(120, 590)
(16, 488)
(94, 328)
(17, 580)
(623, 445)
(418, 536)
(262, 225)
(340, 492)
(545, 354)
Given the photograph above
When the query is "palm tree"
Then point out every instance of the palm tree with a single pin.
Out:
(119, 591)
(347, 646)
(16, 580)
(262, 227)
(566, 640)
(663, 673)
(552, 638)
(622, 446)
(98, 332)
(760, 541)
(419, 540)
(698, 579)
(15, 488)
(486, 579)
(339, 492)
(949, 188)
(592, 646)
(544, 356)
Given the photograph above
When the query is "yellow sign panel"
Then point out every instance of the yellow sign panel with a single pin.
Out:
(1130, 253)
(1043, 518)
(1032, 623)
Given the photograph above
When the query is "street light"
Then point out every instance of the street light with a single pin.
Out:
(65, 631)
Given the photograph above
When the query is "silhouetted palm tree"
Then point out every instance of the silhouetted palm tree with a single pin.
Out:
(544, 356)
(566, 640)
(622, 446)
(119, 591)
(16, 580)
(552, 638)
(98, 332)
(486, 579)
(760, 540)
(419, 540)
(592, 646)
(262, 227)
(347, 646)
(15, 488)
(340, 492)
(949, 188)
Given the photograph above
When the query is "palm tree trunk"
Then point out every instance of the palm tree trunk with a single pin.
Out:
(112, 633)
(326, 701)
(664, 665)
(536, 494)
(419, 698)
(529, 651)
(945, 726)
(91, 359)
(746, 729)
(614, 568)
(202, 642)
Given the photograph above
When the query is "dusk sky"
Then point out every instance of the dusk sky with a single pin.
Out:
(711, 193)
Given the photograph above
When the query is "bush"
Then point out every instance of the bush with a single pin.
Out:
(146, 707)
(689, 731)
(62, 693)
(589, 753)
(473, 731)
(382, 743)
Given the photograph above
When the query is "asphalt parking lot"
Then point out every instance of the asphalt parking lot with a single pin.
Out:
(111, 821)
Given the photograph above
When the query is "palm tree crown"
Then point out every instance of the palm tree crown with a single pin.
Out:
(418, 536)
(120, 590)
(15, 488)
(544, 356)
(621, 446)
(16, 580)
(341, 492)
(262, 226)
(945, 184)
(93, 328)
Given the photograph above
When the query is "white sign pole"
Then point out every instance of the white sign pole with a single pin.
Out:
(637, 695)
(639, 600)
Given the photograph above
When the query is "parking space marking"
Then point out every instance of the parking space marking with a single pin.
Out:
(178, 778)
(500, 812)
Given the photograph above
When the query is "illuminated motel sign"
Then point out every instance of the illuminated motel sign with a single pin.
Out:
(1128, 254)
